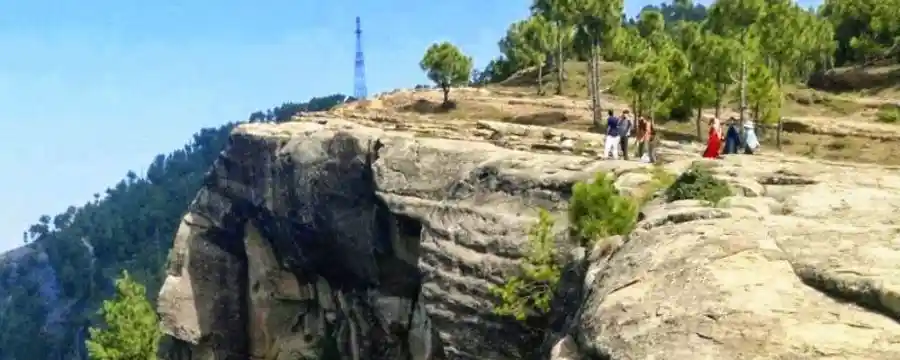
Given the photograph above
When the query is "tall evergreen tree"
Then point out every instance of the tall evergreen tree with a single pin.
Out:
(131, 331)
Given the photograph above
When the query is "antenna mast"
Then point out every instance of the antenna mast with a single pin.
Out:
(359, 69)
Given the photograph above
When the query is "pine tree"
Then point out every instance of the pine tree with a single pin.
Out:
(447, 66)
(131, 331)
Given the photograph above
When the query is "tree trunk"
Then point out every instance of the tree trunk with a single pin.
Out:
(590, 77)
(594, 82)
(778, 126)
(446, 90)
(743, 91)
(595, 59)
(699, 123)
(634, 106)
(778, 130)
(540, 79)
(718, 103)
(560, 63)
(592, 86)
(639, 108)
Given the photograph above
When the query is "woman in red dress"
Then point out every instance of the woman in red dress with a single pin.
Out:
(714, 140)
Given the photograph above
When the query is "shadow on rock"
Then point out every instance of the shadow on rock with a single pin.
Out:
(549, 118)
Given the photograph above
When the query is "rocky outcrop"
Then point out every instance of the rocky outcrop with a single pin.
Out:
(314, 238)
(804, 270)
(329, 238)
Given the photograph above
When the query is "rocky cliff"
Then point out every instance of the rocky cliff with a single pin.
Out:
(358, 237)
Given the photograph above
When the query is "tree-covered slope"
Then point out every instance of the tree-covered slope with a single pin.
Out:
(50, 289)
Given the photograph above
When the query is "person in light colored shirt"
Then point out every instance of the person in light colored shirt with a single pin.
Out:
(751, 142)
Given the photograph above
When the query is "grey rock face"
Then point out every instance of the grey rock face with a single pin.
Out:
(336, 240)
(330, 239)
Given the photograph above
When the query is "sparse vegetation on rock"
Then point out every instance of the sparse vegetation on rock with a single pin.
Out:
(889, 114)
(661, 179)
(698, 183)
(530, 293)
(597, 210)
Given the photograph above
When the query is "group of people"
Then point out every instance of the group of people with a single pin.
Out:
(732, 138)
(619, 129)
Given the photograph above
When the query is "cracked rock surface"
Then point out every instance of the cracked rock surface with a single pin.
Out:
(813, 275)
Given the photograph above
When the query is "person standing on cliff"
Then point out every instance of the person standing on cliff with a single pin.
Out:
(626, 126)
(751, 142)
(732, 137)
(644, 137)
(611, 143)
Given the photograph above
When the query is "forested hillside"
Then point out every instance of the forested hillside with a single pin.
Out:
(681, 58)
(129, 226)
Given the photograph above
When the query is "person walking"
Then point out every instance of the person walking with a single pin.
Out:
(751, 142)
(732, 137)
(611, 143)
(644, 137)
(714, 139)
(626, 126)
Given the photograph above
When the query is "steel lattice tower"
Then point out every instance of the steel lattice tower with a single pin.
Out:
(359, 67)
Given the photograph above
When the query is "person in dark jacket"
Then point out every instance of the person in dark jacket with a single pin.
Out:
(732, 137)
(611, 143)
(626, 126)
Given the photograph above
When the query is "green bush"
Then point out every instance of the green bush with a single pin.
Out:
(531, 292)
(131, 331)
(596, 210)
(698, 183)
(660, 180)
(888, 114)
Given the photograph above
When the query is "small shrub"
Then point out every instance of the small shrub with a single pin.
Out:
(698, 183)
(530, 293)
(660, 179)
(596, 210)
(837, 145)
(888, 115)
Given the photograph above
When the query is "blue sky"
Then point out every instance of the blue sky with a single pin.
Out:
(90, 89)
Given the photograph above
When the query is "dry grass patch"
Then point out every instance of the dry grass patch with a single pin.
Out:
(463, 110)
(575, 82)
(868, 80)
(549, 118)
(810, 102)
(847, 148)
(852, 149)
